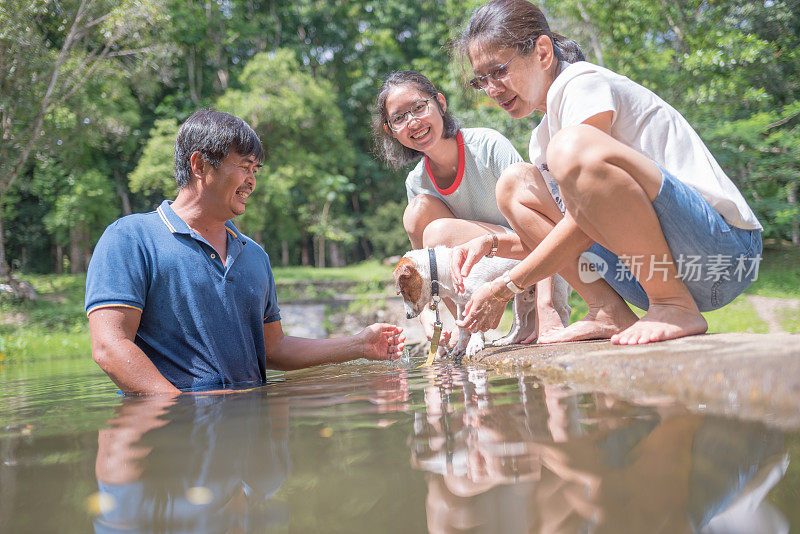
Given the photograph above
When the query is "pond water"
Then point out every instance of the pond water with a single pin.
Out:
(381, 447)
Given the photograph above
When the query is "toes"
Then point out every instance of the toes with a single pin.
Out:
(530, 339)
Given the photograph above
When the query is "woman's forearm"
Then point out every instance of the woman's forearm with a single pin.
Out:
(562, 245)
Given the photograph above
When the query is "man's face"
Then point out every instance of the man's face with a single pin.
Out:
(230, 184)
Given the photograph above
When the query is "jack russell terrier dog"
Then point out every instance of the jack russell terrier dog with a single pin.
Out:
(412, 278)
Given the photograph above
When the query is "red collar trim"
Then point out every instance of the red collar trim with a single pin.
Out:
(459, 175)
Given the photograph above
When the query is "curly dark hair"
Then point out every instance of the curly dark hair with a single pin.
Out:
(387, 147)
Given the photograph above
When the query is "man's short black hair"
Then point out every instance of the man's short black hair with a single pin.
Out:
(214, 135)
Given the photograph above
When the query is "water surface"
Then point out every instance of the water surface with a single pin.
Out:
(376, 447)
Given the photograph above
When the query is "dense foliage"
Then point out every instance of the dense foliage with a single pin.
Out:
(92, 92)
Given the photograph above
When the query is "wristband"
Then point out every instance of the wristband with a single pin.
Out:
(511, 285)
(495, 244)
(498, 299)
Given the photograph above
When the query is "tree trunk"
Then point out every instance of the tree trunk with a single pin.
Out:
(58, 266)
(366, 250)
(122, 192)
(335, 249)
(595, 40)
(74, 252)
(284, 253)
(79, 251)
(277, 40)
(320, 251)
(305, 256)
(194, 90)
(5, 272)
(791, 197)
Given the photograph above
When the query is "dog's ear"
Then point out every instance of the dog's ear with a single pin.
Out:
(407, 277)
(402, 272)
(403, 268)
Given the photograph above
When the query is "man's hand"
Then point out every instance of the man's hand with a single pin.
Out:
(464, 257)
(382, 341)
(483, 311)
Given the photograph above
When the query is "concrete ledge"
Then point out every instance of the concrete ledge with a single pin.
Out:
(753, 376)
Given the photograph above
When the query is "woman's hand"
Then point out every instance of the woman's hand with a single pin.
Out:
(484, 310)
(464, 257)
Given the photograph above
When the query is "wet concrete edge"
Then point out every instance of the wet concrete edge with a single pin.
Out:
(751, 376)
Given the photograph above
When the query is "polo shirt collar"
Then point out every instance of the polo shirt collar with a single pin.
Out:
(176, 225)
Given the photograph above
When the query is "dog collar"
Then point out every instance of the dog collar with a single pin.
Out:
(437, 326)
(434, 274)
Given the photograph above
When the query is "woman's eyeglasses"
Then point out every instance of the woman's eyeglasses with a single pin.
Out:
(481, 82)
(418, 110)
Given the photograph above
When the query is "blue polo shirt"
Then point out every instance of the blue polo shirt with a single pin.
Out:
(202, 323)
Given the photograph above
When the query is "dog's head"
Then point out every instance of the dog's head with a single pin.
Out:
(413, 283)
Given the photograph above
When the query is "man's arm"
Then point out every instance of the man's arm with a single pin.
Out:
(113, 330)
(376, 342)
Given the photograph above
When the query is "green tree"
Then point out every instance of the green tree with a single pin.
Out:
(307, 149)
(155, 171)
(49, 51)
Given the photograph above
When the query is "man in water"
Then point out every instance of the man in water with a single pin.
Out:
(179, 299)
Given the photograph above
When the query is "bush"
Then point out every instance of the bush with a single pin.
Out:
(384, 229)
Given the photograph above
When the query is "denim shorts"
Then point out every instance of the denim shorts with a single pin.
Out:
(716, 261)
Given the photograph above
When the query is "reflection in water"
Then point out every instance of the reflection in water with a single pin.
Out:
(192, 464)
(488, 453)
(533, 458)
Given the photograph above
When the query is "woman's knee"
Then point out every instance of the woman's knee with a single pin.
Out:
(420, 212)
(522, 185)
(572, 150)
(512, 183)
(438, 232)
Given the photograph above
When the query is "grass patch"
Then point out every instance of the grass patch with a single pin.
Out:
(52, 327)
(579, 307)
(738, 316)
(366, 278)
(37, 343)
(316, 290)
(790, 322)
(366, 271)
(779, 273)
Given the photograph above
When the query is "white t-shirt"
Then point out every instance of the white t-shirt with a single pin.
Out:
(644, 122)
(483, 154)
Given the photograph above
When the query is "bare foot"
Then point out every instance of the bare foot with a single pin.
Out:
(666, 319)
(601, 322)
(548, 322)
